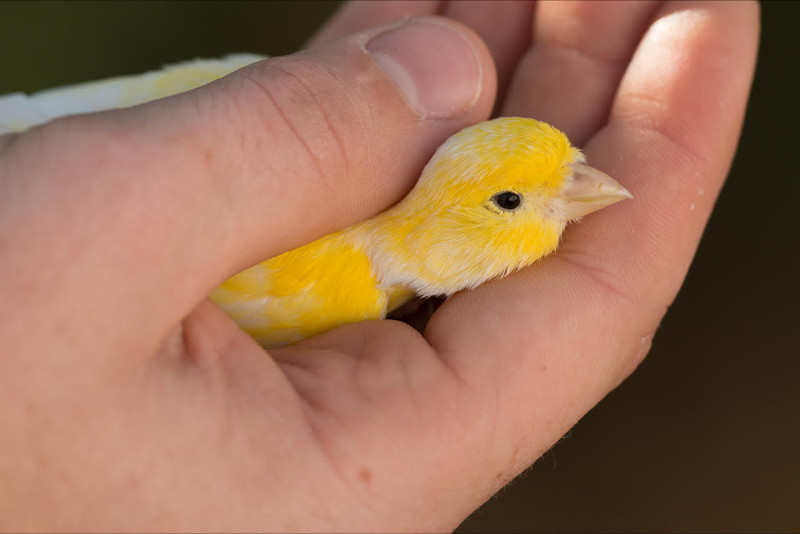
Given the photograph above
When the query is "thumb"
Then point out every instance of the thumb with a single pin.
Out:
(332, 135)
(272, 156)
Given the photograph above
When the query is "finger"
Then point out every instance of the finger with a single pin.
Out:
(579, 53)
(505, 27)
(155, 205)
(545, 344)
(352, 17)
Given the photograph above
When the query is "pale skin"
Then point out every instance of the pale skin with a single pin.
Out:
(131, 402)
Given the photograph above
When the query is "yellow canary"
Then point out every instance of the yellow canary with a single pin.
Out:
(495, 197)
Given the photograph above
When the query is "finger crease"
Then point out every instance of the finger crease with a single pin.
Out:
(602, 277)
(289, 123)
(645, 122)
(618, 63)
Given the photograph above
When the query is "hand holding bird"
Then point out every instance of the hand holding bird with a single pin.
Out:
(133, 402)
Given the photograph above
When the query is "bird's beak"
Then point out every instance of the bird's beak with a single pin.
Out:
(590, 190)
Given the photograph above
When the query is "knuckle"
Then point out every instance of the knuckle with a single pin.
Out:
(591, 268)
(307, 106)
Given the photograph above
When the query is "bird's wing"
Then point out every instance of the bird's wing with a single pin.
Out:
(303, 292)
(18, 111)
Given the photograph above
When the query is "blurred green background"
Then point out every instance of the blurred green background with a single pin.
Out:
(705, 436)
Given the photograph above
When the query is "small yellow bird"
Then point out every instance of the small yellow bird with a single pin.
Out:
(495, 197)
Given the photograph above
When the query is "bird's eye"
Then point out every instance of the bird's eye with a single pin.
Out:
(507, 200)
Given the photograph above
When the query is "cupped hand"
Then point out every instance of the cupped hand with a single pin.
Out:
(132, 403)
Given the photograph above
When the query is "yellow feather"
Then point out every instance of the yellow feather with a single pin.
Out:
(306, 291)
(448, 234)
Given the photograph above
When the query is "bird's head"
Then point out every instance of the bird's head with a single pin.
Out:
(494, 197)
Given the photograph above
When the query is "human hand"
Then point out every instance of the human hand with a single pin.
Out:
(133, 403)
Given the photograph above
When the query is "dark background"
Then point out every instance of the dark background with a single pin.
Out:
(706, 434)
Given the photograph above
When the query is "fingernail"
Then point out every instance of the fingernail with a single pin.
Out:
(434, 66)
